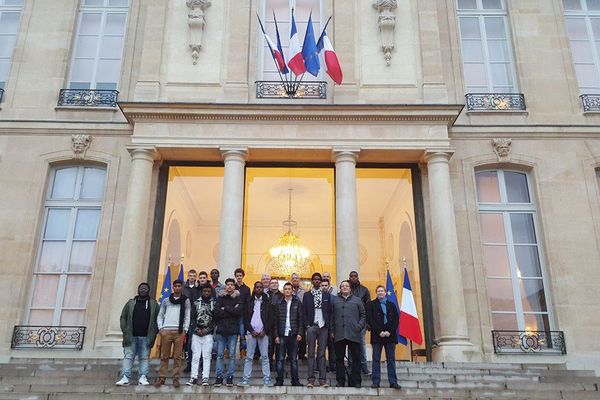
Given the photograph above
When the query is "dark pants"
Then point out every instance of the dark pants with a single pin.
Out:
(331, 354)
(390, 355)
(288, 346)
(340, 351)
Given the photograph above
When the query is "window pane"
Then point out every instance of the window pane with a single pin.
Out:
(51, 257)
(44, 292)
(109, 71)
(7, 43)
(82, 70)
(93, 3)
(115, 24)
(112, 47)
(9, 22)
(475, 75)
(532, 295)
(4, 68)
(14, 2)
(93, 183)
(595, 22)
(41, 317)
(587, 75)
(64, 183)
(82, 256)
(528, 262)
(469, 28)
(467, 4)
(86, 226)
(90, 23)
(472, 51)
(487, 187)
(492, 228)
(522, 228)
(593, 5)
(57, 223)
(537, 322)
(494, 27)
(492, 4)
(504, 322)
(498, 51)
(582, 51)
(76, 291)
(87, 47)
(72, 318)
(118, 3)
(501, 74)
(495, 260)
(576, 28)
(106, 86)
(500, 293)
(516, 187)
(572, 5)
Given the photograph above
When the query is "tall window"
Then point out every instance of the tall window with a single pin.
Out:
(582, 18)
(98, 52)
(486, 47)
(10, 15)
(66, 255)
(511, 252)
(282, 9)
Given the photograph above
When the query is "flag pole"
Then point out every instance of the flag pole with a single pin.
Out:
(283, 82)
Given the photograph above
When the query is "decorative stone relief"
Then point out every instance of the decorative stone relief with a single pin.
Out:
(80, 144)
(502, 148)
(196, 22)
(387, 26)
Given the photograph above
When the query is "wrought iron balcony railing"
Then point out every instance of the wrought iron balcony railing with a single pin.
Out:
(48, 337)
(88, 98)
(495, 102)
(529, 342)
(1, 94)
(279, 90)
(590, 102)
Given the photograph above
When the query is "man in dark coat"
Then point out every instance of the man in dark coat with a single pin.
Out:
(138, 324)
(348, 321)
(191, 290)
(362, 292)
(289, 332)
(228, 312)
(383, 318)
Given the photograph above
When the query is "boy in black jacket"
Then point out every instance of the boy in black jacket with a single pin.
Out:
(227, 317)
(289, 333)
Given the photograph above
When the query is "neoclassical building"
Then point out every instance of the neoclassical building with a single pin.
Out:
(462, 147)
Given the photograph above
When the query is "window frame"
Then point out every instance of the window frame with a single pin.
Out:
(11, 8)
(75, 205)
(104, 10)
(507, 209)
(480, 13)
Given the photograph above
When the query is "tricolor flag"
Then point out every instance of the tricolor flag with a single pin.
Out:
(275, 51)
(294, 56)
(332, 64)
(282, 67)
(409, 319)
(391, 297)
(166, 287)
(310, 55)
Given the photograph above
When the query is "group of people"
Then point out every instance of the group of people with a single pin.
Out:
(205, 317)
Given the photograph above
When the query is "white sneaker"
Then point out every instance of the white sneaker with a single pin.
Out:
(123, 382)
(143, 381)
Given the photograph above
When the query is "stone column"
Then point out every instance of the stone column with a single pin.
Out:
(346, 215)
(232, 212)
(133, 237)
(453, 335)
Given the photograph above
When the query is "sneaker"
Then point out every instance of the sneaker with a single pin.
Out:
(395, 386)
(123, 382)
(297, 384)
(278, 383)
(325, 384)
(243, 354)
(230, 381)
(219, 381)
(268, 383)
(242, 383)
(143, 380)
(192, 382)
(366, 372)
(159, 382)
(204, 381)
(310, 384)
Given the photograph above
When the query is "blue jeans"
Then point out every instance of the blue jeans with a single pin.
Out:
(139, 347)
(288, 346)
(243, 345)
(390, 355)
(263, 345)
(231, 343)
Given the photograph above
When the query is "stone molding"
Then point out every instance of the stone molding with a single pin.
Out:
(80, 144)
(196, 23)
(502, 147)
(387, 26)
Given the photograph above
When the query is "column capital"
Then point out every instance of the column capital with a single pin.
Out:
(234, 153)
(143, 153)
(432, 156)
(345, 155)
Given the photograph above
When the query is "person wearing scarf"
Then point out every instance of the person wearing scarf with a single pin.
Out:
(138, 324)
(173, 324)
(316, 307)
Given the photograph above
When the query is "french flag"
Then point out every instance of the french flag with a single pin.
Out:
(294, 56)
(409, 319)
(333, 67)
(275, 51)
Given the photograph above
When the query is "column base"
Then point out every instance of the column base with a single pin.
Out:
(112, 344)
(455, 349)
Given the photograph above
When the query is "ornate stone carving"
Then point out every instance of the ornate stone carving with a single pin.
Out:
(387, 26)
(502, 148)
(80, 144)
(196, 22)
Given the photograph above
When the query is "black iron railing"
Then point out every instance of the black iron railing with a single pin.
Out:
(88, 98)
(495, 102)
(1, 94)
(279, 90)
(529, 342)
(48, 337)
(590, 102)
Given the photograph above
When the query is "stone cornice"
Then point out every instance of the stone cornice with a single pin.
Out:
(437, 114)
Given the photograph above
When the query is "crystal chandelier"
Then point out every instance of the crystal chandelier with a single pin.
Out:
(289, 255)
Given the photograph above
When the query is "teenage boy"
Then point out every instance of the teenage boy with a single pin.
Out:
(317, 313)
(202, 337)
(288, 334)
(192, 292)
(244, 290)
(227, 315)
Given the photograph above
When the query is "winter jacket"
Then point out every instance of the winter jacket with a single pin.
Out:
(227, 313)
(308, 307)
(127, 322)
(267, 313)
(348, 318)
(205, 323)
(192, 293)
(375, 320)
(361, 292)
(296, 321)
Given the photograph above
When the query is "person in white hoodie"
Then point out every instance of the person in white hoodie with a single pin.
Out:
(173, 323)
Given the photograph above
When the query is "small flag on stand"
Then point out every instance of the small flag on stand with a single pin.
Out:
(391, 297)
(409, 319)
(166, 287)
(181, 274)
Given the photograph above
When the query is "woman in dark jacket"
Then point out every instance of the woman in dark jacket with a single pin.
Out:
(383, 318)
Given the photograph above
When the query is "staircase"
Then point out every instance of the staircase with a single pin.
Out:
(71, 379)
